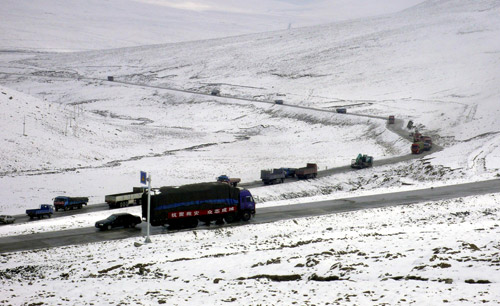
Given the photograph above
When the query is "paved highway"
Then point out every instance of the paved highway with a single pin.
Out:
(264, 215)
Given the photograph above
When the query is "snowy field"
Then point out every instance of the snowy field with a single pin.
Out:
(66, 130)
(436, 253)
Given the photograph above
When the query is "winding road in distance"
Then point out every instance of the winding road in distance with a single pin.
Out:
(264, 215)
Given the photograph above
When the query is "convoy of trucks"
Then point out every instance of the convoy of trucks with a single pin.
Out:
(67, 203)
(220, 201)
(44, 210)
(184, 206)
(125, 199)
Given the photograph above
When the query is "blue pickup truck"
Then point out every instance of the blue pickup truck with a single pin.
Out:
(44, 210)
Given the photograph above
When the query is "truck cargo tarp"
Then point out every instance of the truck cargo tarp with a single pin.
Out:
(190, 197)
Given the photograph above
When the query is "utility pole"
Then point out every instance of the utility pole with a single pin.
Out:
(24, 126)
(147, 178)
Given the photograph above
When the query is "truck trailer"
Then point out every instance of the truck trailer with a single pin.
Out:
(125, 199)
(310, 171)
(274, 176)
(184, 206)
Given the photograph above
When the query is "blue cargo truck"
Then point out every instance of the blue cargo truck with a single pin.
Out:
(68, 203)
(184, 206)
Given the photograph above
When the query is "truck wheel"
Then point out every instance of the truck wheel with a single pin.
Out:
(50, 215)
(79, 206)
(132, 225)
(229, 218)
(282, 180)
(246, 216)
(66, 208)
(192, 223)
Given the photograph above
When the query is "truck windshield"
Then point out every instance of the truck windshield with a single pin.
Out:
(249, 199)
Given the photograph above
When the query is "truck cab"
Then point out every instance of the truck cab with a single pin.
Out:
(247, 204)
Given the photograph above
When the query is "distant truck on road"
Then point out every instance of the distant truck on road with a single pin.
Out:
(44, 210)
(417, 147)
(362, 161)
(233, 181)
(289, 172)
(274, 176)
(391, 119)
(67, 203)
(125, 199)
(310, 171)
(184, 206)
(427, 143)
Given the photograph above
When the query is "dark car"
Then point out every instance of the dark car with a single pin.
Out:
(341, 110)
(215, 92)
(118, 220)
(278, 101)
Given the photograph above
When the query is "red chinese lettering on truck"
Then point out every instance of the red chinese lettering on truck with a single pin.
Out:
(190, 213)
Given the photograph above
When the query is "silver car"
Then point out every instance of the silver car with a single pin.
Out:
(7, 219)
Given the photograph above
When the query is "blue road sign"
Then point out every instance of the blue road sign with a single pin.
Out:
(144, 179)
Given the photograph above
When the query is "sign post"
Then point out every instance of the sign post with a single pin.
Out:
(147, 178)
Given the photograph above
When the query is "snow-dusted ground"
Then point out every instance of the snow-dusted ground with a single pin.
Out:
(444, 252)
(436, 64)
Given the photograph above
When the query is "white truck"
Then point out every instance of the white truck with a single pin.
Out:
(125, 199)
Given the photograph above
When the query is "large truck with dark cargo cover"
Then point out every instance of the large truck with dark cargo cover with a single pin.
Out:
(185, 206)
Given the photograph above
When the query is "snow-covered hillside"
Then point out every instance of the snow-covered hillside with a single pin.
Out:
(435, 64)
(75, 25)
(65, 129)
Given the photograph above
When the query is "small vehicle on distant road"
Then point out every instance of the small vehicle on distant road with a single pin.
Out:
(278, 101)
(5, 219)
(233, 181)
(342, 110)
(362, 161)
(118, 220)
(215, 92)
(391, 119)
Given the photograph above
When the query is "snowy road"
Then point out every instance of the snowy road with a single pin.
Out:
(264, 215)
